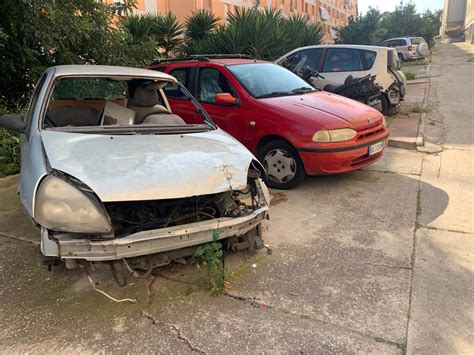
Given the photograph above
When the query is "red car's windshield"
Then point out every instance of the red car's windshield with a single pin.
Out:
(269, 80)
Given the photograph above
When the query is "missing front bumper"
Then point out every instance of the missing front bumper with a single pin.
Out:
(68, 246)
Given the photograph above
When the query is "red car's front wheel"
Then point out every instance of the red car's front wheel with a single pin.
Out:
(283, 165)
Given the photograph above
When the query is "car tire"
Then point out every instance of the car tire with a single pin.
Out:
(385, 104)
(400, 56)
(387, 108)
(283, 164)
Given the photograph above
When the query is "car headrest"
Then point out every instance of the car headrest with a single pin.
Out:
(145, 97)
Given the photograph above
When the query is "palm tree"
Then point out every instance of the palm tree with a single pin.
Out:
(261, 34)
(200, 24)
(169, 32)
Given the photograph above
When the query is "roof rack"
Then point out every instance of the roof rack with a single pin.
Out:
(202, 58)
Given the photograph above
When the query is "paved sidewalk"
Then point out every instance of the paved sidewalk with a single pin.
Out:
(404, 127)
(442, 303)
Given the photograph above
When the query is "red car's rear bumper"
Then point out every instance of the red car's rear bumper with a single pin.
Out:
(341, 159)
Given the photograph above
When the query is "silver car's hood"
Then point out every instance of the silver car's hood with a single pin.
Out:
(150, 167)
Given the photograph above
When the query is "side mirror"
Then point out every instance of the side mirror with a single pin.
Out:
(13, 123)
(225, 98)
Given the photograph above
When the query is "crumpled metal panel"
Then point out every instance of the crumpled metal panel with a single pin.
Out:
(150, 167)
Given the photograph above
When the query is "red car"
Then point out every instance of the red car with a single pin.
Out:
(294, 129)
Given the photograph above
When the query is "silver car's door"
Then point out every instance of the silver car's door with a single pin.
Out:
(33, 164)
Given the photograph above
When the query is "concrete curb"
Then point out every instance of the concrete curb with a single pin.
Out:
(420, 139)
(401, 144)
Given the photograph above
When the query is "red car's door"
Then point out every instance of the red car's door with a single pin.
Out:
(232, 118)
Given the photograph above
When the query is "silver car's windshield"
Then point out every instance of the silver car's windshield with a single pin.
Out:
(98, 104)
(263, 80)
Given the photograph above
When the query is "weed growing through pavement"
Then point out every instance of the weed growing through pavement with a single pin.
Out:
(420, 108)
(211, 255)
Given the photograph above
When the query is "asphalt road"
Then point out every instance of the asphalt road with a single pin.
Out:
(375, 261)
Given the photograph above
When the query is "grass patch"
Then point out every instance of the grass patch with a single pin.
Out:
(413, 63)
(410, 75)
(400, 346)
(418, 224)
(407, 108)
(419, 108)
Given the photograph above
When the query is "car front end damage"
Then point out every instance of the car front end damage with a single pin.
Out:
(152, 233)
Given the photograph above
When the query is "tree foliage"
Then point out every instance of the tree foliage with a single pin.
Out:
(261, 34)
(36, 34)
(374, 27)
(364, 29)
(163, 31)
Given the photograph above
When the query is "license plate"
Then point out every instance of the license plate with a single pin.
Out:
(376, 148)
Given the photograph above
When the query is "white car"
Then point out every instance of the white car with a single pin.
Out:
(336, 62)
(408, 48)
(109, 173)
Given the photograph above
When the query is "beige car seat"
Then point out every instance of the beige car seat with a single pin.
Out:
(145, 103)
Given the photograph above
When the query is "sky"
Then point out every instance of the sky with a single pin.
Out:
(389, 5)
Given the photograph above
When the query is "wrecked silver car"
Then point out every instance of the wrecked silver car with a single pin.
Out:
(109, 172)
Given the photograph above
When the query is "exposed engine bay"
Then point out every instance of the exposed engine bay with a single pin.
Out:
(135, 216)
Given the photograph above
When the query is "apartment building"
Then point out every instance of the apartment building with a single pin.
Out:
(458, 14)
(330, 13)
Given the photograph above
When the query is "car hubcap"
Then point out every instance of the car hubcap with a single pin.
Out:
(280, 165)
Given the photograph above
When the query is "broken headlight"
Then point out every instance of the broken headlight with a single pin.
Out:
(60, 206)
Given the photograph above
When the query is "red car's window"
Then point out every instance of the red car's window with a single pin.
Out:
(182, 74)
(210, 83)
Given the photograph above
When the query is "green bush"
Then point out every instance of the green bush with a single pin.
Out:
(260, 34)
(9, 153)
(38, 34)
(374, 27)
(9, 148)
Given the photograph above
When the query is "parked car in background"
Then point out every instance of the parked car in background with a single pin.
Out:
(109, 173)
(336, 62)
(294, 129)
(408, 48)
